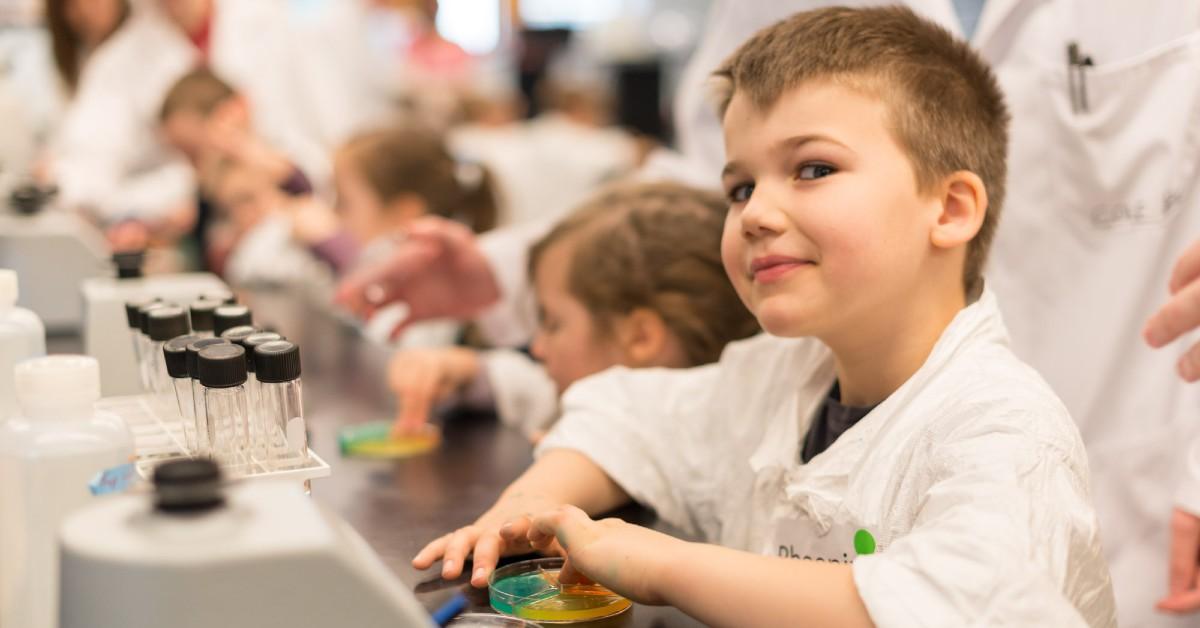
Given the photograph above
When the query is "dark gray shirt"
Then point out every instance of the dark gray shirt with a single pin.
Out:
(832, 420)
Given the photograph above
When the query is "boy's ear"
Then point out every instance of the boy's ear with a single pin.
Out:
(964, 204)
(643, 337)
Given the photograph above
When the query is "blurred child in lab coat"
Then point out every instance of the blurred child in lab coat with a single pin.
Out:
(387, 179)
(253, 240)
(632, 277)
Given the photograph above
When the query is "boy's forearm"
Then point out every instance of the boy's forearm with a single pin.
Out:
(725, 587)
(559, 477)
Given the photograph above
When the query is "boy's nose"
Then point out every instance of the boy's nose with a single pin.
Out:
(760, 216)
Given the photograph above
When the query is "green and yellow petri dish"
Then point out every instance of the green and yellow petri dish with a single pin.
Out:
(530, 590)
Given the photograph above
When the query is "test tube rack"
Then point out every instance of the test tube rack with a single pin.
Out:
(156, 440)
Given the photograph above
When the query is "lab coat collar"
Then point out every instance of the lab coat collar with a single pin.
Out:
(978, 323)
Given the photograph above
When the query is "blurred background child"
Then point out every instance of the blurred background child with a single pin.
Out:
(633, 277)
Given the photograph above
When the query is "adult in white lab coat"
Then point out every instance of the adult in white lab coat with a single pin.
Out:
(299, 72)
(1103, 196)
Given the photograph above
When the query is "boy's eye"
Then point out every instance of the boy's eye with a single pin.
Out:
(815, 171)
(741, 193)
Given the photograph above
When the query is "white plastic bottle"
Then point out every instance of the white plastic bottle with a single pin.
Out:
(22, 336)
(49, 453)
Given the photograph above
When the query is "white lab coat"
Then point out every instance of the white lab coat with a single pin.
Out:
(267, 255)
(524, 396)
(298, 73)
(971, 477)
(1099, 206)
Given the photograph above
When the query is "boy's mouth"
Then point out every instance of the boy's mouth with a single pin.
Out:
(772, 268)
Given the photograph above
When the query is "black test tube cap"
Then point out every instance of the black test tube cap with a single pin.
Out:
(277, 361)
(187, 486)
(144, 315)
(167, 322)
(238, 335)
(202, 313)
(220, 296)
(222, 366)
(228, 316)
(193, 354)
(175, 355)
(131, 310)
(252, 342)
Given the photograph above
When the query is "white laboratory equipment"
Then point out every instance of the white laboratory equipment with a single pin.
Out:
(22, 336)
(49, 455)
(257, 555)
(106, 325)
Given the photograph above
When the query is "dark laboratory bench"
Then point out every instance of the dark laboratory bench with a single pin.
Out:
(398, 506)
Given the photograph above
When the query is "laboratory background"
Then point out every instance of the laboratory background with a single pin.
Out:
(643, 313)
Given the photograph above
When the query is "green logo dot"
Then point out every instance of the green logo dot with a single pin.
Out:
(864, 543)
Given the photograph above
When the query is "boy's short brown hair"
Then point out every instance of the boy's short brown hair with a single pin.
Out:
(199, 91)
(944, 105)
(655, 246)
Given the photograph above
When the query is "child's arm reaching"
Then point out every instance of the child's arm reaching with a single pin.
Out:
(717, 585)
(557, 478)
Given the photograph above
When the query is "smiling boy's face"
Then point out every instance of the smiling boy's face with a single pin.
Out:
(826, 226)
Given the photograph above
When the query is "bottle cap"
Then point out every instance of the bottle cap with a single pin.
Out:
(277, 361)
(57, 381)
(175, 355)
(132, 308)
(129, 264)
(251, 342)
(228, 316)
(240, 333)
(167, 322)
(222, 366)
(193, 354)
(202, 313)
(144, 315)
(187, 486)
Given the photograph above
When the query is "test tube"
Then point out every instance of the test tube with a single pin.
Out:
(202, 316)
(237, 335)
(175, 357)
(133, 317)
(203, 444)
(147, 359)
(277, 364)
(260, 424)
(163, 324)
(228, 316)
(223, 376)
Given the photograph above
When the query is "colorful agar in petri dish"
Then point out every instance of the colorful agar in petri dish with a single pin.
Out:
(374, 440)
(530, 590)
(481, 620)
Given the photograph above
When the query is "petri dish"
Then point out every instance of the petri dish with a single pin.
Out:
(529, 590)
(373, 440)
(484, 620)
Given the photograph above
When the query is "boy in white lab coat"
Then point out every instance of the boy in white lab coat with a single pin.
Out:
(882, 435)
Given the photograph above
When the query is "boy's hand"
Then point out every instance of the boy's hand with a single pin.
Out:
(626, 558)
(1181, 313)
(424, 377)
(1184, 593)
(486, 541)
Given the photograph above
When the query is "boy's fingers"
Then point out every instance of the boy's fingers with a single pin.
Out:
(1187, 268)
(457, 551)
(564, 523)
(1185, 545)
(570, 575)
(515, 530)
(1182, 603)
(487, 553)
(431, 552)
(1179, 315)
(1189, 364)
(416, 402)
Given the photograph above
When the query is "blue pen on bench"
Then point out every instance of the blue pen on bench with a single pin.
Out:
(450, 610)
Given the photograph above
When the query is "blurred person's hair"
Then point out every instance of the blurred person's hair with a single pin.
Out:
(412, 161)
(654, 246)
(200, 91)
(65, 44)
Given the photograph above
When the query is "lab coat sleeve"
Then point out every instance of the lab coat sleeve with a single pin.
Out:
(642, 428)
(511, 321)
(1004, 529)
(525, 396)
(1187, 495)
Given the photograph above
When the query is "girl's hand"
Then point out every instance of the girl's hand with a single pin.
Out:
(630, 560)
(424, 377)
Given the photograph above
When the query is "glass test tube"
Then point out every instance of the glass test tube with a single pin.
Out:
(175, 357)
(145, 361)
(237, 335)
(277, 364)
(202, 316)
(223, 375)
(260, 426)
(133, 317)
(199, 414)
(163, 324)
(228, 317)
